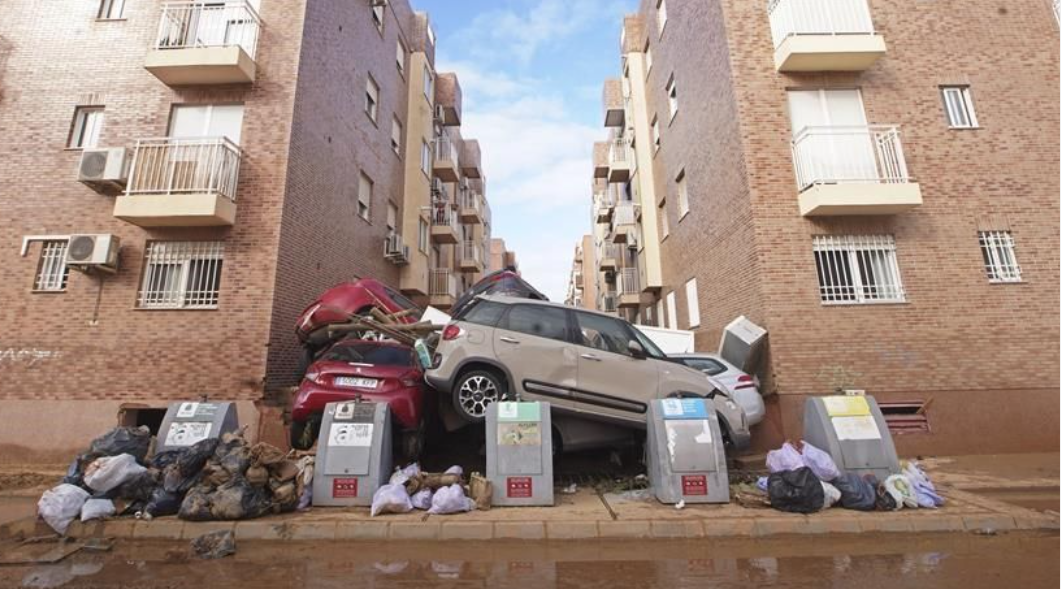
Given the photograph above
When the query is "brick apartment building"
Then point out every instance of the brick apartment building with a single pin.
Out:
(501, 257)
(582, 283)
(246, 155)
(874, 181)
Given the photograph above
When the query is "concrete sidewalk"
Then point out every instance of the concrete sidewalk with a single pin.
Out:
(587, 515)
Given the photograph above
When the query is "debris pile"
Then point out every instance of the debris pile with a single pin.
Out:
(437, 493)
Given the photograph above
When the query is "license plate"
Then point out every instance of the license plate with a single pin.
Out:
(353, 381)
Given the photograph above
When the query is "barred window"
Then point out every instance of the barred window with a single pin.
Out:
(1000, 260)
(181, 275)
(854, 269)
(52, 272)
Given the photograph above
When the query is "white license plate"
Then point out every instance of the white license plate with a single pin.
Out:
(353, 381)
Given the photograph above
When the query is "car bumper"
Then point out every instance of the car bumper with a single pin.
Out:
(406, 404)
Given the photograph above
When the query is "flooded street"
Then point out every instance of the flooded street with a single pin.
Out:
(867, 561)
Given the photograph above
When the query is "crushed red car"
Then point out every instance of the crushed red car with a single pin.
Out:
(506, 282)
(372, 371)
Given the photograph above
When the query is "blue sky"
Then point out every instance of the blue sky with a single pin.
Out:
(531, 72)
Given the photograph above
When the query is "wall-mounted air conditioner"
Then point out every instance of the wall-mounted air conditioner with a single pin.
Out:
(104, 170)
(88, 252)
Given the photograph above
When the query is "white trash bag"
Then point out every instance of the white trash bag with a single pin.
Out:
(110, 472)
(61, 505)
(832, 495)
(450, 499)
(97, 509)
(422, 499)
(391, 498)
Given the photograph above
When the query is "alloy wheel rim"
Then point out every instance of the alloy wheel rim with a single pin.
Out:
(475, 394)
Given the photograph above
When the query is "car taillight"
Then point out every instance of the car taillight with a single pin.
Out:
(452, 332)
(313, 376)
(409, 381)
(745, 382)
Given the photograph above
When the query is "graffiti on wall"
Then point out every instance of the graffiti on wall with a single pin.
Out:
(26, 356)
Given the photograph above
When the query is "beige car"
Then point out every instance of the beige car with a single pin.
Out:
(587, 364)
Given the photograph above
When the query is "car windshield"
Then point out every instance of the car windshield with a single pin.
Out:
(369, 353)
(651, 348)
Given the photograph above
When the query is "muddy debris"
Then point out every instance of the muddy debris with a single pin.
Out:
(214, 545)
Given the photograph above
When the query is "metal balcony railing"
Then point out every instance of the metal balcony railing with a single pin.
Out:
(837, 155)
(629, 282)
(818, 17)
(625, 214)
(443, 282)
(443, 215)
(608, 251)
(609, 302)
(470, 201)
(617, 152)
(471, 251)
(445, 151)
(188, 25)
(185, 166)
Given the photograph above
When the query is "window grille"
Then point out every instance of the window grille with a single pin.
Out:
(856, 269)
(1000, 260)
(52, 273)
(181, 275)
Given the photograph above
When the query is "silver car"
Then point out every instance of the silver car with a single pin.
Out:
(739, 385)
(586, 364)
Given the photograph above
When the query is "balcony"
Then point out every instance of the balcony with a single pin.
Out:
(823, 35)
(619, 161)
(471, 257)
(600, 160)
(628, 287)
(395, 251)
(447, 166)
(580, 282)
(624, 222)
(471, 207)
(852, 171)
(614, 103)
(603, 206)
(181, 183)
(442, 288)
(202, 43)
(443, 223)
(609, 302)
(609, 257)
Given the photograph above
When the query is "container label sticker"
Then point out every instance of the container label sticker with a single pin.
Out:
(187, 433)
(344, 488)
(844, 406)
(519, 433)
(350, 435)
(684, 409)
(519, 487)
(859, 427)
(187, 410)
(509, 411)
(694, 485)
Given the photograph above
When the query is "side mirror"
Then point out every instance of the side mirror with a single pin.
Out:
(636, 350)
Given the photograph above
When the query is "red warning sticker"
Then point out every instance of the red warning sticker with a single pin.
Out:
(344, 488)
(519, 488)
(694, 485)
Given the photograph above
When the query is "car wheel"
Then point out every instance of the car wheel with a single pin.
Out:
(475, 391)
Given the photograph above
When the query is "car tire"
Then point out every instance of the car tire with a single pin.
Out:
(474, 391)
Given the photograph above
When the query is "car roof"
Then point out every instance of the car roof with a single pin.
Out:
(507, 300)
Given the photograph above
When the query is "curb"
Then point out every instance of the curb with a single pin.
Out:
(692, 528)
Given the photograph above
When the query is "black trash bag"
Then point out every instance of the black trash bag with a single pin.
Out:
(238, 499)
(124, 440)
(796, 491)
(856, 492)
(75, 475)
(217, 544)
(233, 454)
(162, 503)
(139, 488)
(195, 506)
(183, 473)
(163, 459)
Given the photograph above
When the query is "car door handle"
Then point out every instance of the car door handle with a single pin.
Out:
(590, 357)
(510, 340)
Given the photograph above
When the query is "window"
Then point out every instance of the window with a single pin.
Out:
(378, 12)
(482, 312)
(181, 275)
(369, 353)
(664, 222)
(661, 15)
(430, 35)
(856, 269)
(1000, 260)
(655, 134)
(392, 217)
(372, 99)
(425, 157)
(429, 84)
(537, 320)
(958, 103)
(672, 311)
(603, 333)
(648, 59)
(672, 96)
(396, 136)
(52, 272)
(111, 9)
(400, 56)
(206, 120)
(692, 298)
(88, 121)
(683, 196)
(711, 367)
(423, 237)
(364, 197)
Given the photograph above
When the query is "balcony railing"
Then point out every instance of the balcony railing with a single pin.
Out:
(445, 150)
(443, 215)
(617, 151)
(609, 302)
(625, 214)
(442, 283)
(608, 251)
(818, 17)
(188, 25)
(185, 166)
(470, 201)
(837, 155)
(471, 251)
(629, 282)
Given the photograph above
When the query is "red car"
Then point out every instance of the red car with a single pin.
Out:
(381, 372)
(349, 298)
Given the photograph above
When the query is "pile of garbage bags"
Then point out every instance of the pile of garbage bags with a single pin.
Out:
(409, 488)
(807, 480)
(215, 479)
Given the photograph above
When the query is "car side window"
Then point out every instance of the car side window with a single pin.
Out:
(705, 365)
(537, 320)
(603, 333)
(399, 298)
(483, 313)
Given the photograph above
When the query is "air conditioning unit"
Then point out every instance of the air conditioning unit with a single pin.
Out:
(631, 242)
(104, 170)
(90, 252)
